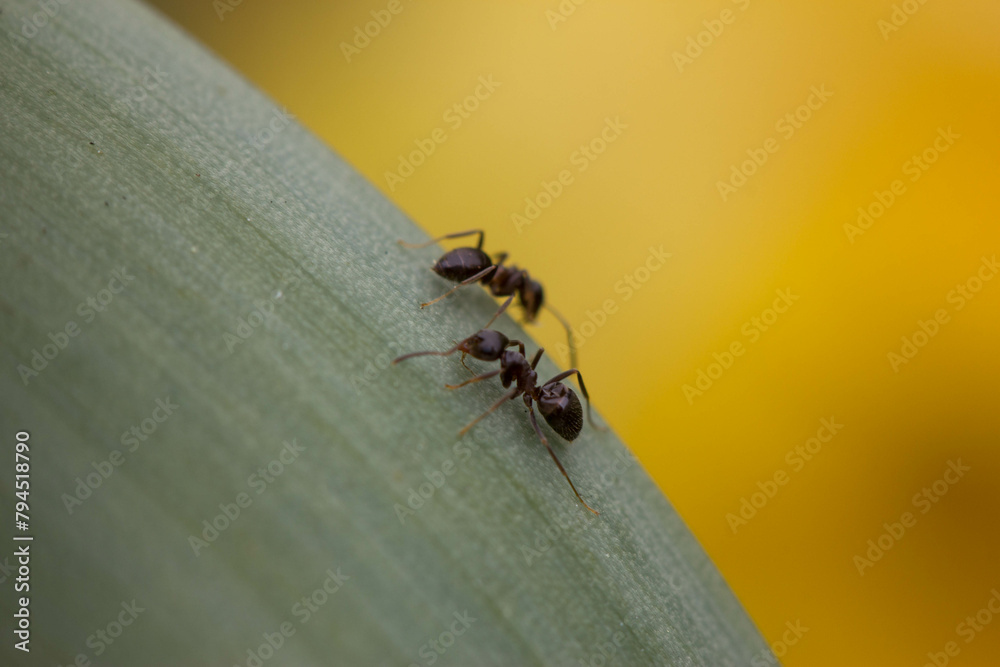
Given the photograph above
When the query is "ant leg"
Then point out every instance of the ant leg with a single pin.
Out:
(500, 312)
(534, 423)
(569, 334)
(503, 399)
(518, 344)
(476, 278)
(537, 357)
(478, 378)
(428, 352)
(464, 354)
(583, 388)
(456, 235)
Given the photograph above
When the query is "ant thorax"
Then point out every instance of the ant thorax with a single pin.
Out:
(515, 368)
(506, 280)
(532, 296)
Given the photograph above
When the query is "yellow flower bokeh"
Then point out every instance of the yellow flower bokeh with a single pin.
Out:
(774, 227)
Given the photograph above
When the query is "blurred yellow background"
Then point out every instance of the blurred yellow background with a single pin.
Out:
(741, 137)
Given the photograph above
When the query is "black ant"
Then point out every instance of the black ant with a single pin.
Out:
(558, 403)
(468, 265)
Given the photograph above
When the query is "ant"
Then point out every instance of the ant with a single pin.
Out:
(468, 265)
(559, 404)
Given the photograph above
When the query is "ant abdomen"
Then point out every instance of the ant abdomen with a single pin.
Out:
(461, 264)
(561, 408)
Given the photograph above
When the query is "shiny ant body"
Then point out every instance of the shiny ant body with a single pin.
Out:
(558, 403)
(468, 265)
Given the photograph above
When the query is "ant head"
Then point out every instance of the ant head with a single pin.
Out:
(561, 408)
(461, 264)
(486, 345)
(532, 296)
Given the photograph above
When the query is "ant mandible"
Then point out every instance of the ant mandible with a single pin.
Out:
(558, 403)
(468, 265)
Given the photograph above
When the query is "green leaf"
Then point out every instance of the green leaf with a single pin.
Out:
(199, 302)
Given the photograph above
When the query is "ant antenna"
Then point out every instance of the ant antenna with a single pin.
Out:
(456, 235)
(457, 345)
(500, 312)
(427, 353)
